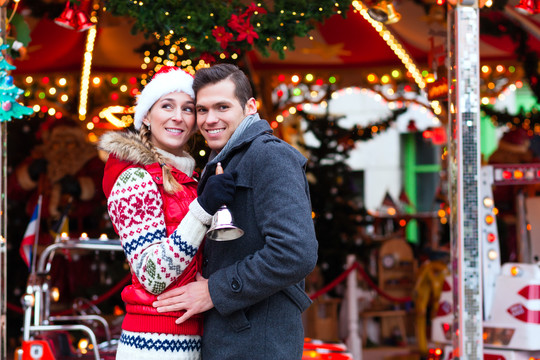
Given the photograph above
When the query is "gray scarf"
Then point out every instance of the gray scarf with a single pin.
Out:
(247, 122)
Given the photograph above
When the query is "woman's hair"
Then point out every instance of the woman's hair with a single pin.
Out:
(169, 182)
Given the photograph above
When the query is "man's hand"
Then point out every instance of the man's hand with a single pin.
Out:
(194, 298)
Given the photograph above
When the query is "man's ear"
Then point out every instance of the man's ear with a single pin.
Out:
(251, 107)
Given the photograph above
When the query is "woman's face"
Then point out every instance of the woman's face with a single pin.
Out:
(172, 122)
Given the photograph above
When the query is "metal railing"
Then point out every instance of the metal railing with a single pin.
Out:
(36, 301)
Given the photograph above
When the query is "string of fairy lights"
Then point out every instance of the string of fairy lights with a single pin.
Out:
(118, 111)
(392, 42)
(86, 71)
(123, 88)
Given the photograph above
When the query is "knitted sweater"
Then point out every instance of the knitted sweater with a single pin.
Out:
(160, 238)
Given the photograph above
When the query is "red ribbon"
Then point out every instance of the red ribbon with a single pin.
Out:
(371, 283)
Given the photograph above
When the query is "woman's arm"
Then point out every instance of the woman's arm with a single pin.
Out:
(136, 210)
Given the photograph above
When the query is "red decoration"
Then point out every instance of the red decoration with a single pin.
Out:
(527, 7)
(238, 22)
(520, 312)
(83, 22)
(67, 17)
(446, 286)
(222, 36)
(74, 19)
(208, 58)
(254, 8)
(530, 292)
(444, 308)
(249, 34)
(437, 135)
(411, 126)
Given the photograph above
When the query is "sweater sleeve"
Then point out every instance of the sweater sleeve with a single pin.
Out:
(135, 207)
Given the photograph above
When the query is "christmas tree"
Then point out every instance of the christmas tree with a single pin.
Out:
(9, 93)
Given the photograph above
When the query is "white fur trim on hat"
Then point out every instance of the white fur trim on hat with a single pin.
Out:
(161, 84)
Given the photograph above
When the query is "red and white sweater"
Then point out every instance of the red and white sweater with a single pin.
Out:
(161, 233)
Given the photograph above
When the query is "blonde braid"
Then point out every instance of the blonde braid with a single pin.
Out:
(169, 182)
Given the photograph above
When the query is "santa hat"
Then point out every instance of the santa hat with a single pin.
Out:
(167, 80)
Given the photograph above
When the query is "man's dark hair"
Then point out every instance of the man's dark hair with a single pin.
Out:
(219, 72)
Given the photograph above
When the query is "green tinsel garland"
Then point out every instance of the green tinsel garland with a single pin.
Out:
(526, 120)
(213, 27)
(497, 25)
(327, 129)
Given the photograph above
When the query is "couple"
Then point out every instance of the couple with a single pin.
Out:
(239, 299)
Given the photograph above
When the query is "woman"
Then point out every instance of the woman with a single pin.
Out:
(150, 196)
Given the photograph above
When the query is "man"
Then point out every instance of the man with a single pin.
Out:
(252, 288)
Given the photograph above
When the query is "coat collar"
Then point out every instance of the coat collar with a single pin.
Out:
(255, 130)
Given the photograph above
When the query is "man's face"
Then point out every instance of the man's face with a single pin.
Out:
(219, 113)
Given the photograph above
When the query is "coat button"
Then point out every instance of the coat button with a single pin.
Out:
(235, 285)
(205, 261)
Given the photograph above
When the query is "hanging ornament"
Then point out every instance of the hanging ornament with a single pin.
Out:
(67, 17)
(83, 22)
(74, 19)
(526, 7)
(6, 105)
(384, 12)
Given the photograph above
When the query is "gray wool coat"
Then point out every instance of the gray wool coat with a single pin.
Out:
(257, 281)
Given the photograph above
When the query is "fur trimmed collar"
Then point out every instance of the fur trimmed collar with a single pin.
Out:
(127, 146)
